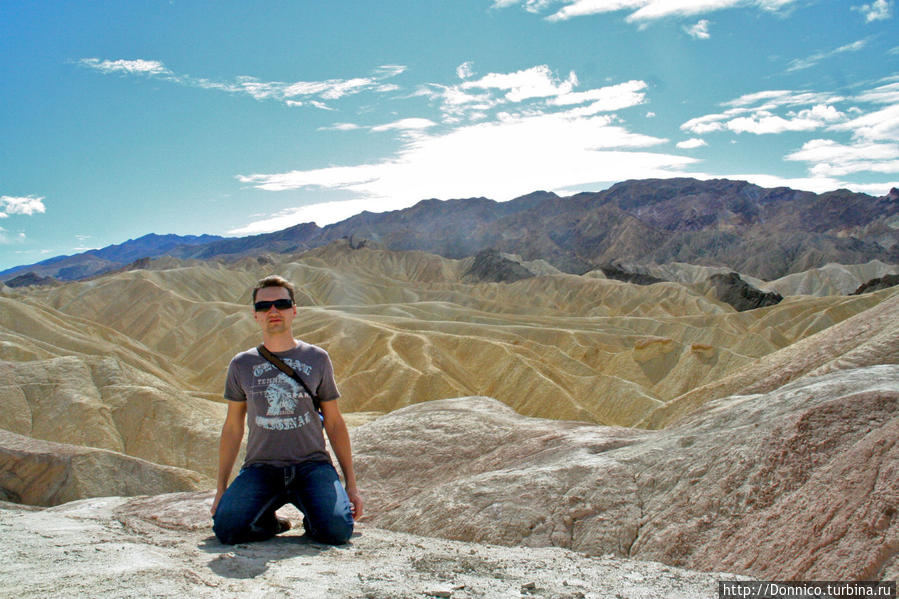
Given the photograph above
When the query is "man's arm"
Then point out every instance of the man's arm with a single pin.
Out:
(229, 446)
(339, 437)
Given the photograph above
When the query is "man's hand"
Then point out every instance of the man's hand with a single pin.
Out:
(355, 502)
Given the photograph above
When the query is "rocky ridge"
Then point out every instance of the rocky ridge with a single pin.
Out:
(766, 233)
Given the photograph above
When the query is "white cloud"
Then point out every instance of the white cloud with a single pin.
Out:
(501, 159)
(771, 99)
(323, 214)
(298, 93)
(537, 88)
(533, 6)
(465, 70)
(884, 94)
(647, 10)
(762, 121)
(650, 115)
(753, 98)
(710, 122)
(880, 125)
(815, 184)
(822, 113)
(416, 124)
(832, 159)
(128, 67)
(805, 63)
(613, 97)
(879, 10)
(535, 82)
(341, 127)
(691, 144)
(699, 31)
(27, 205)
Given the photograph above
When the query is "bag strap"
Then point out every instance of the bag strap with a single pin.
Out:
(280, 365)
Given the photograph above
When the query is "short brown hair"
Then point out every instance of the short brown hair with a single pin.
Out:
(273, 281)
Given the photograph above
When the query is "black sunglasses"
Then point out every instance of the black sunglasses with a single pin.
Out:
(280, 304)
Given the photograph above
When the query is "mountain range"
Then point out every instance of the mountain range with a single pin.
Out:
(762, 232)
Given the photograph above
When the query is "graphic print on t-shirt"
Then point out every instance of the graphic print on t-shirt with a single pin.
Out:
(282, 395)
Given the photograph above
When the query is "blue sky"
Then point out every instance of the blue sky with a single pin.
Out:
(125, 118)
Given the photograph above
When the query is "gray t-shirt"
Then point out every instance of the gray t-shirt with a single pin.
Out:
(284, 427)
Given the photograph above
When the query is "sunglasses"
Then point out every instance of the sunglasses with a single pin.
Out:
(280, 304)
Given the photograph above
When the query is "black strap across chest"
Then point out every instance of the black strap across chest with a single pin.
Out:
(280, 365)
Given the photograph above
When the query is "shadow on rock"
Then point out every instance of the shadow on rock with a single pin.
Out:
(249, 560)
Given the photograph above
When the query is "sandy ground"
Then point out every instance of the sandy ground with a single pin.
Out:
(163, 547)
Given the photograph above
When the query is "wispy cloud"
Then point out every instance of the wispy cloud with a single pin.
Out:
(341, 127)
(27, 205)
(699, 31)
(640, 10)
(127, 67)
(298, 93)
(536, 88)
(760, 120)
(410, 124)
(692, 143)
(828, 158)
(879, 10)
(814, 59)
(879, 125)
(7, 238)
(465, 70)
(870, 118)
(535, 82)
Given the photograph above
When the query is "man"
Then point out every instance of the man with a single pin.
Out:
(286, 459)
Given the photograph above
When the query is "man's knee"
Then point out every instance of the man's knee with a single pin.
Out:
(335, 531)
(228, 529)
(225, 532)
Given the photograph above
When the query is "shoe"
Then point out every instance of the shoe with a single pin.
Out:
(283, 525)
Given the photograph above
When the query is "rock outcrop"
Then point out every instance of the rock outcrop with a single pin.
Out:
(489, 265)
(43, 473)
(884, 282)
(733, 290)
(29, 279)
(798, 483)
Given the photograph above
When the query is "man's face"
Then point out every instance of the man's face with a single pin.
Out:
(274, 321)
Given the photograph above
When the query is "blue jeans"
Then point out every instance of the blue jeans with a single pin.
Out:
(246, 511)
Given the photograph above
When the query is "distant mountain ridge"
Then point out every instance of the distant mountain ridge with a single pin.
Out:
(112, 257)
(766, 233)
(762, 232)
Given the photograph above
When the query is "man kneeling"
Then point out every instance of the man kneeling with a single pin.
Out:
(286, 459)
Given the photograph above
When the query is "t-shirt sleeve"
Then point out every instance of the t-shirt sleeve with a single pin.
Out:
(233, 389)
(327, 388)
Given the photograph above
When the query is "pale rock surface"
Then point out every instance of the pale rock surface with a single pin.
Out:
(163, 546)
(42, 473)
(867, 338)
(801, 482)
(103, 403)
(831, 279)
